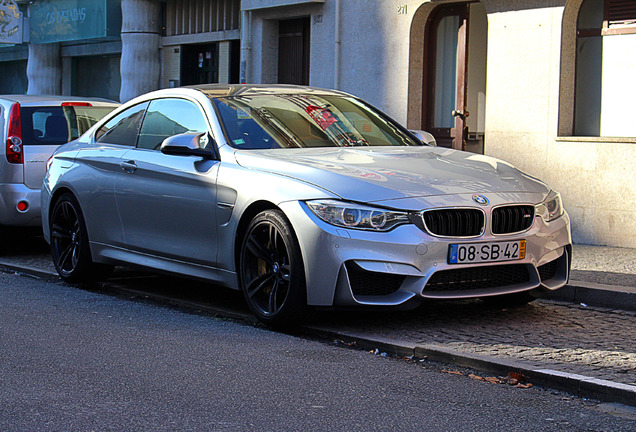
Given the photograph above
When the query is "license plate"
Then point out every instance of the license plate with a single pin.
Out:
(486, 252)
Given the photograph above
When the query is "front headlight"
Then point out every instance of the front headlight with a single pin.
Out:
(357, 216)
(551, 208)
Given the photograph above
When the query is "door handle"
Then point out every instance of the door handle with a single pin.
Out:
(460, 114)
(128, 166)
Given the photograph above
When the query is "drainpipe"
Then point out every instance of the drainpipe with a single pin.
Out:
(336, 65)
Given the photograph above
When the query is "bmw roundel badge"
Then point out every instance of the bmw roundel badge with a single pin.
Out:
(480, 199)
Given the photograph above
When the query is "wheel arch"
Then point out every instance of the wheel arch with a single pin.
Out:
(295, 307)
(56, 195)
(250, 212)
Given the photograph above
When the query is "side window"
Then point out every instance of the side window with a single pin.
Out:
(168, 117)
(123, 128)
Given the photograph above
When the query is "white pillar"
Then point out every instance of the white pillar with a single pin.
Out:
(140, 61)
(44, 69)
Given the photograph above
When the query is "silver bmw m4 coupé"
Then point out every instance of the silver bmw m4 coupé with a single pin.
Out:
(300, 198)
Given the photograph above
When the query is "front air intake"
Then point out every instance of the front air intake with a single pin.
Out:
(477, 278)
(368, 283)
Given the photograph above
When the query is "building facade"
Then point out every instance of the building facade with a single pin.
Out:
(118, 49)
(544, 84)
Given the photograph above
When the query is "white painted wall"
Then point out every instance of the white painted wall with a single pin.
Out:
(594, 175)
(619, 86)
(596, 180)
(523, 86)
(171, 64)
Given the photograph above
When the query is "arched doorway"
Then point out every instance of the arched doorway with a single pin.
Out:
(453, 72)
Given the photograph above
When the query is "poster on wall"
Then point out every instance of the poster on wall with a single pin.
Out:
(69, 20)
(11, 23)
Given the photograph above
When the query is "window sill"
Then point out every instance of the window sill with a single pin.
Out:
(609, 140)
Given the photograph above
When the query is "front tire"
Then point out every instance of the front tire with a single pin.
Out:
(271, 271)
(69, 243)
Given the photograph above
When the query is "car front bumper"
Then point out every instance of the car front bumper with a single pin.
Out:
(346, 267)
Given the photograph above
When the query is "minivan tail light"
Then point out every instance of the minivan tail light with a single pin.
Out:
(76, 104)
(14, 136)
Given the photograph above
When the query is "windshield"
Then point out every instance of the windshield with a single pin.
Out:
(55, 125)
(293, 121)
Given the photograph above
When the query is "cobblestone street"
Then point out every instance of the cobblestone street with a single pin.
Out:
(595, 342)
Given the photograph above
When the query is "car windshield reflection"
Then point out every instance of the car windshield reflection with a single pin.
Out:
(295, 121)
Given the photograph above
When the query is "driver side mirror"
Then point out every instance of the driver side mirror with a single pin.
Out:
(188, 144)
(425, 137)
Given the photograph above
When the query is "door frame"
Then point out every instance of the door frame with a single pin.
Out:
(304, 34)
(454, 137)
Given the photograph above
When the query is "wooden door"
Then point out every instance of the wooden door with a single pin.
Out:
(445, 77)
(293, 51)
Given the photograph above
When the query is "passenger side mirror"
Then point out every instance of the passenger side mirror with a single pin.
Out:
(188, 144)
(424, 137)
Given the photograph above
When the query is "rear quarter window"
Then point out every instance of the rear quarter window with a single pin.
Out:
(59, 124)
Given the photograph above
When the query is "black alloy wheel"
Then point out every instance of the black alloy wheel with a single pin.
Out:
(69, 242)
(272, 275)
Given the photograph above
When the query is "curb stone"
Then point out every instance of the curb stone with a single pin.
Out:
(29, 271)
(594, 294)
(579, 385)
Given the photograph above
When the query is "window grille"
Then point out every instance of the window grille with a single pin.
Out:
(201, 16)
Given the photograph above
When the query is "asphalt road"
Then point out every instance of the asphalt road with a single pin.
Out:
(78, 360)
(587, 351)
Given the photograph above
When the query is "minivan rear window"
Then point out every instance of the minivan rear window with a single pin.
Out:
(58, 124)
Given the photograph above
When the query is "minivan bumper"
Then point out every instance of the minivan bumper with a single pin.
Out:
(11, 195)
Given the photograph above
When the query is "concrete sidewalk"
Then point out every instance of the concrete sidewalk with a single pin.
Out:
(601, 276)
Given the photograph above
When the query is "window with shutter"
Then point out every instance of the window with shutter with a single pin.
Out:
(619, 17)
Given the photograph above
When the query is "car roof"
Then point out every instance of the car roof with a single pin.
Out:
(51, 99)
(224, 90)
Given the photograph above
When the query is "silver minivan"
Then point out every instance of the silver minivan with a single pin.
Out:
(32, 127)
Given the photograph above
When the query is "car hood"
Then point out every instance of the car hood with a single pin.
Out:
(374, 174)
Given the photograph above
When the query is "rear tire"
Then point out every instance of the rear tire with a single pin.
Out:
(69, 243)
(271, 271)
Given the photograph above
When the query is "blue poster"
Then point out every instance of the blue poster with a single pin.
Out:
(69, 20)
